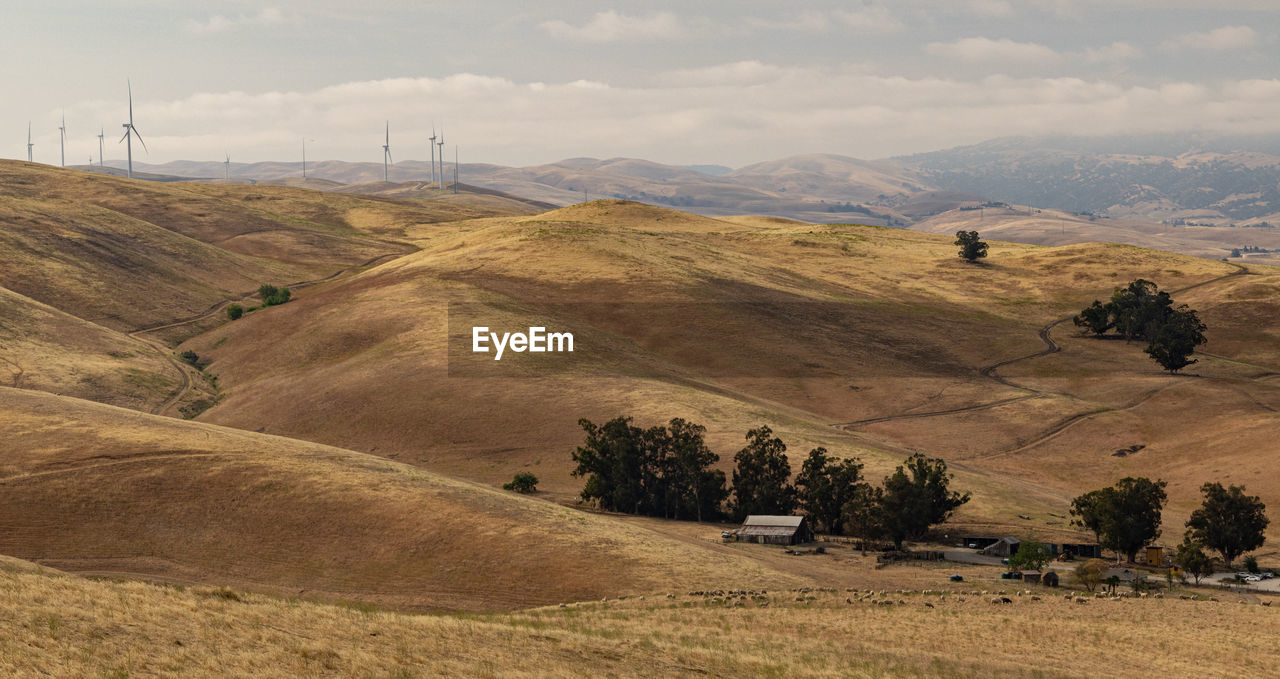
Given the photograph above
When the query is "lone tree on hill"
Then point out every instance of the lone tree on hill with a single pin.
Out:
(824, 485)
(1229, 522)
(1192, 559)
(760, 480)
(971, 248)
(1125, 517)
(524, 482)
(917, 497)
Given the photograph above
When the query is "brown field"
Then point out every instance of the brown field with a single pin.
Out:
(64, 626)
(343, 462)
(903, 374)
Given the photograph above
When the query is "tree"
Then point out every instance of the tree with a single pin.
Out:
(1095, 317)
(694, 488)
(1176, 339)
(760, 480)
(1125, 517)
(1192, 559)
(823, 487)
(1031, 556)
(862, 514)
(1139, 309)
(910, 504)
(971, 248)
(271, 295)
(1090, 573)
(1229, 522)
(611, 458)
(524, 482)
(234, 311)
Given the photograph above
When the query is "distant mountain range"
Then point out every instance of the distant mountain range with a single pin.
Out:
(1199, 180)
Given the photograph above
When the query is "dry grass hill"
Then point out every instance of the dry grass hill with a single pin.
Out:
(65, 626)
(349, 449)
(869, 341)
(108, 491)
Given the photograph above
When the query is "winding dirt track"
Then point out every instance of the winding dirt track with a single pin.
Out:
(1050, 347)
(17, 376)
(189, 373)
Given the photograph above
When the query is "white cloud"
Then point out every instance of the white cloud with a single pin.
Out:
(219, 23)
(1225, 38)
(1116, 51)
(610, 26)
(733, 114)
(988, 50)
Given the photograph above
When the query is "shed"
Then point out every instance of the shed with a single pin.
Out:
(775, 530)
(1032, 577)
(1155, 555)
(1005, 546)
(1083, 551)
(1050, 579)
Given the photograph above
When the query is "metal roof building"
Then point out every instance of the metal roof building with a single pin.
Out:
(775, 530)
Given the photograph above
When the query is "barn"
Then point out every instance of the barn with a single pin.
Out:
(775, 530)
(1007, 546)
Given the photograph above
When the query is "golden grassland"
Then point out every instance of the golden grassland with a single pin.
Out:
(94, 488)
(65, 626)
(367, 355)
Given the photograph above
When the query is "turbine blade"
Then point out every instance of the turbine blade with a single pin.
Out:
(393, 162)
(130, 101)
(144, 144)
(126, 136)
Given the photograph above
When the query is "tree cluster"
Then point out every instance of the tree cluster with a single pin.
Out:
(271, 295)
(668, 471)
(1127, 516)
(661, 471)
(1141, 311)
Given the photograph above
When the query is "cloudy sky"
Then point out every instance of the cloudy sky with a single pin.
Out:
(522, 83)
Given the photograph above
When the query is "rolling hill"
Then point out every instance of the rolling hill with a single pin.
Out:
(882, 333)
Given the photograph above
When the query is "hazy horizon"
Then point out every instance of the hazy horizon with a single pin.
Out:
(675, 83)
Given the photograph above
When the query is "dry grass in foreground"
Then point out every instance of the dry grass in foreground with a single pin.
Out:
(64, 626)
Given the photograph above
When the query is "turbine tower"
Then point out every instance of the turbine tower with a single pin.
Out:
(433, 152)
(62, 139)
(101, 134)
(441, 145)
(130, 132)
(226, 167)
(455, 168)
(29, 144)
(386, 156)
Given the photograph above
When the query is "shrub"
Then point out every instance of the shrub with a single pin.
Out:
(271, 295)
(235, 311)
(1251, 564)
(191, 357)
(524, 482)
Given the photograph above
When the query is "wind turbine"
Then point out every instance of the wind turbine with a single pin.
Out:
(441, 145)
(226, 167)
(29, 144)
(62, 139)
(130, 131)
(101, 134)
(433, 152)
(386, 155)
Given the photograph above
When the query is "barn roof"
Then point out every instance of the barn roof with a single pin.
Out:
(776, 521)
